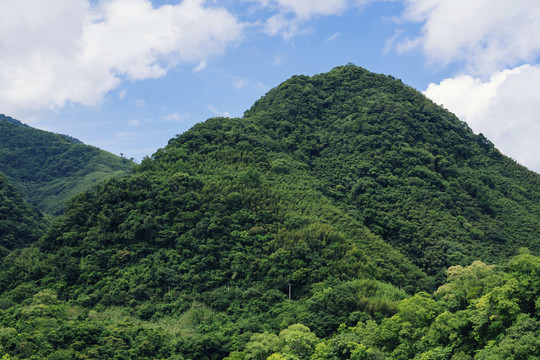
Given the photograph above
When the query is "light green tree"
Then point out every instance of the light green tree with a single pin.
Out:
(298, 340)
(261, 345)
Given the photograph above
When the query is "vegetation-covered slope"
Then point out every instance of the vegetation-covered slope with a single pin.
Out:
(331, 200)
(482, 312)
(20, 223)
(409, 170)
(49, 168)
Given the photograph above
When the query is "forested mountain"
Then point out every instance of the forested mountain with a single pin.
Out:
(49, 168)
(20, 223)
(300, 231)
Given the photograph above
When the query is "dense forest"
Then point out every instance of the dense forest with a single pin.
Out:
(20, 224)
(50, 168)
(345, 216)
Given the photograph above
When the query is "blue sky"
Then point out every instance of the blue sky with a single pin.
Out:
(128, 75)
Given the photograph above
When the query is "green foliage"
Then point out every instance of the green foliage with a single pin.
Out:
(489, 322)
(478, 313)
(20, 223)
(49, 168)
(317, 226)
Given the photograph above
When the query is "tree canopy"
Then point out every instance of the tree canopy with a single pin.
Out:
(345, 216)
(49, 168)
(20, 223)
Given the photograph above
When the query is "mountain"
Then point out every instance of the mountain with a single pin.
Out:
(292, 230)
(20, 223)
(49, 168)
(406, 168)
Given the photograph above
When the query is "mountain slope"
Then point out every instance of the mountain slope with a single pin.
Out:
(406, 168)
(20, 223)
(49, 168)
(332, 199)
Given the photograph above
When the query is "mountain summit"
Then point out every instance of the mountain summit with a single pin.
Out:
(333, 198)
(389, 158)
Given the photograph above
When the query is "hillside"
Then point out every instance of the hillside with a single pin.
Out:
(409, 170)
(20, 223)
(330, 203)
(49, 168)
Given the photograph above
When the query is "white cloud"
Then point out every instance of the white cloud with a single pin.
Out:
(125, 134)
(484, 37)
(216, 112)
(261, 87)
(389, 44)
(505, 108)
(305, 9)
(240, 83)
(59, 51)
(200, 66)
(333, 37)
(279, 23)
(176, 117)
(487, 35)
(135, 122)
(292, 14)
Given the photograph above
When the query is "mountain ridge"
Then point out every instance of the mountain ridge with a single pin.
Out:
(333, 200)
(432, 165)
(49, 168)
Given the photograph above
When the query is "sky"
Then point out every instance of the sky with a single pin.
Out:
(128, 75)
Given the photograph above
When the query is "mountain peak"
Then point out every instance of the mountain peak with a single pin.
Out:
(332, 199)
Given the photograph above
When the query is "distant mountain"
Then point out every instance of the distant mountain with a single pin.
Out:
(334, 198)
(12, 120)
(20, 223)
(49, 168)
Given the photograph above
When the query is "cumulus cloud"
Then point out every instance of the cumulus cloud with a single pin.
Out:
(505, 108)
(291, 14)
(487, 35)
(57, 52)
(488, 40)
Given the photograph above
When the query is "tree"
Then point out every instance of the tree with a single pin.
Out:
(299, 341)
(260, 346)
